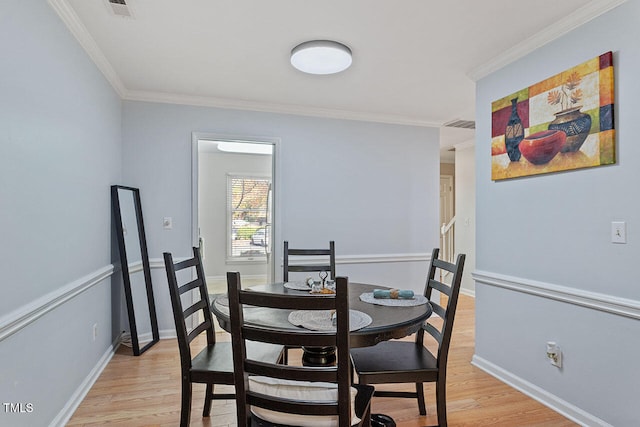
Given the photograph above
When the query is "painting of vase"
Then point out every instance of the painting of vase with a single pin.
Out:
(577, 102)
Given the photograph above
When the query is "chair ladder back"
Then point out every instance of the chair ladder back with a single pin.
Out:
(290, 338)
(310, 267)
(176, 291)
(176, 306)
(188, 286)
(199, 305)
(329, 267)
(242, 331)
(291, 372)
(290, 406)
(430, 328)
(445, 265)
(446, 312)
(200, 328)
(309, 251)
(441, 287)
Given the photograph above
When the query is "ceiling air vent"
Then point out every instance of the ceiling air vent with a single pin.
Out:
(461, 124)
(120, 8)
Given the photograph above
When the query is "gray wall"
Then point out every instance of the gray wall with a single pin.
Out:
(60, 133)
(465, 228)
(370, 187)
(67, 137)
(546, 270)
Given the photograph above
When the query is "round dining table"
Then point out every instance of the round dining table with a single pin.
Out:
(387, 322)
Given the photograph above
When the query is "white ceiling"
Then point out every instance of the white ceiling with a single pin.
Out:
(414, 61)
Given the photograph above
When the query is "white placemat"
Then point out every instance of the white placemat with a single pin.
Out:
(222, 300)
(297, 286)
(320, 320)
(400, 302)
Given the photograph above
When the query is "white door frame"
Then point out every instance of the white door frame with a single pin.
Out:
(449, 179)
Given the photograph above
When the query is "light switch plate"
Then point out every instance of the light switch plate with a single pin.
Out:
(167, 223)
(618, 232)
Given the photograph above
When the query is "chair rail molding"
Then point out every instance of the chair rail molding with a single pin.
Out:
(29, 313)
(594, 300)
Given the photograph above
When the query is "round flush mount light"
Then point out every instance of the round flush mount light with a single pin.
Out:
(321, 57)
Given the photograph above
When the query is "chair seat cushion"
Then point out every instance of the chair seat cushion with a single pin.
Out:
(299, 390)
(218, 357)
(394, 361)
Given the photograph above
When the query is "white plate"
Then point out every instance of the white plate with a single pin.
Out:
(297, 286)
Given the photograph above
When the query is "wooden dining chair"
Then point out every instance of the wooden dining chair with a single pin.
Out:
(284, 395)
(411, 362)
(214, 364)
(328, 265)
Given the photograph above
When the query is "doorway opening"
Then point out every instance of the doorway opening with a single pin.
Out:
(233, 194)
(447, 217)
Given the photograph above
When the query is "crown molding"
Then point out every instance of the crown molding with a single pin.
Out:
(82, 35)
(299, 110)
(581, 16)
(79, 31)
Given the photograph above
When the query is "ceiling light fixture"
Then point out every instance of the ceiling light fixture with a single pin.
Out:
(245, 147)
(321, 57)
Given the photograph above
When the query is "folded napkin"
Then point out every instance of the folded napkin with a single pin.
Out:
(392, 293)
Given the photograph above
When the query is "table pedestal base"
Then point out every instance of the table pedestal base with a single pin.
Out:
(382, 420)
(318, 356)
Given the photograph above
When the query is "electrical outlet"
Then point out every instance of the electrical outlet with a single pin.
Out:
(95, 331)
(554, 354)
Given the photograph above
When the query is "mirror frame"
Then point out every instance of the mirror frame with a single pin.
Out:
(115, 199)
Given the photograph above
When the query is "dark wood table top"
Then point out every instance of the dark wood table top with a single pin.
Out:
(388, 322)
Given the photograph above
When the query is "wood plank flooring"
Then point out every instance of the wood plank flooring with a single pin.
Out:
(145, 391)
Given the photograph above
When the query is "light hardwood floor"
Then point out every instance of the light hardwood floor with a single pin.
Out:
(145, 391)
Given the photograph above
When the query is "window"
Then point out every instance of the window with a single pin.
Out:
(248, 213)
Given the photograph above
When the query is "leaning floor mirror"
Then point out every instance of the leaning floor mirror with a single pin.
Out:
(134, 262)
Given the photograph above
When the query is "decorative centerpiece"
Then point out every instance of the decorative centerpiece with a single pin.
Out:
(318, 286)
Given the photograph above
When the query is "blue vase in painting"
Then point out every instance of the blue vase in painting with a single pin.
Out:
(514, 133)
(575, 124)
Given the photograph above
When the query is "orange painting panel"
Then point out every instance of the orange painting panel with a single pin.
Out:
(606, 86)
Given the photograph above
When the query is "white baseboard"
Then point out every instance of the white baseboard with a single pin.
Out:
(78, 396)
(468, 292)
(553, 402)
(167, 334)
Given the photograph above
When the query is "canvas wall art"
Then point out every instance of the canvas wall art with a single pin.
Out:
(564, 122)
